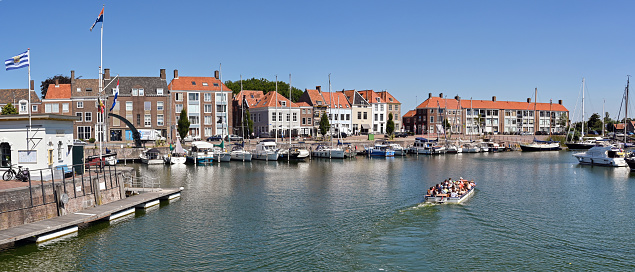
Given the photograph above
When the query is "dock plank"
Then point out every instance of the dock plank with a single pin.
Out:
(88, 215)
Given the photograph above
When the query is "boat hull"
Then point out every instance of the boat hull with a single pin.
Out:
(265, 156)
(580, 146)
(612, 162)
(331, 154)
(449, 200)
(540, 147)
(241, 156)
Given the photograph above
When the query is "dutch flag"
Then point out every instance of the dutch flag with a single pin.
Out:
(100, 18)
(116, 91)
(17, 62)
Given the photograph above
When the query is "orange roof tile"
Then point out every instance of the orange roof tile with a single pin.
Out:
(435, 102)
(269, 100)
(410, 113)
(315, 96)
(197, 84)
(337, 98)
(62, 91)
(386, 96)
(302, 104)
(619, 126)
(371, 96)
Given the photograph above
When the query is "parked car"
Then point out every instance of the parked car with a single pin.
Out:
(401, 134)
(78, 142)
(233, 138)
(214, 138)
(341, 135)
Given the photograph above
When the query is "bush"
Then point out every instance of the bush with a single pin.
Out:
(91, 140)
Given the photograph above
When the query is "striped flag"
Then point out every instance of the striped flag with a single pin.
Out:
(17, 62)
(100, 18)
(116, 91)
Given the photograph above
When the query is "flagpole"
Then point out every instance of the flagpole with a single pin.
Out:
(101, 60)
(29, 95)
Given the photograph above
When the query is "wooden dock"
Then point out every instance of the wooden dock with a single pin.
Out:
(39, 228)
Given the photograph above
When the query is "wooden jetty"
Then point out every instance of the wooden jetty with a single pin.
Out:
(62, 225)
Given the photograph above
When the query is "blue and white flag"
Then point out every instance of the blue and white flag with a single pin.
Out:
(100, 18)
(116, 91)
(17, 62)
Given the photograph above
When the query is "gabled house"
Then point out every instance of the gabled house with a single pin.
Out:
(379, 110)
(394, 108)
(408, 120)
(361, 112)
(248, 98)
(339, 112)
(275, 114)
(315, 99)
(20, 100)
(58, 99)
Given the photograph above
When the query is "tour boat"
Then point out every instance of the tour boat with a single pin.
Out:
(266, 151)
(201, 153)
(445, 199)
(381, 151)
(323, 151)
(602, 155)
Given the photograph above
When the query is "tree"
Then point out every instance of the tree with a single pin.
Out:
(183, 125)
(9, 109)
(265, 86)
(249, 124)
(390, 125)
(594, 123)
(446, 124)
(51, 80)
(324, 124)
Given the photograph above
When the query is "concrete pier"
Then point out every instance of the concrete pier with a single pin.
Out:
(50, 226)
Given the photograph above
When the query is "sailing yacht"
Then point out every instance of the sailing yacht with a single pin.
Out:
(294, 152)
(586, 143)
(238, 152)
(324, 151)
(538, 145)
(177, 156)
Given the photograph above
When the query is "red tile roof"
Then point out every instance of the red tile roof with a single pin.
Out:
(252, 97)
(303, 104)
(371, 96)
(619, 126)
(386, 96)
(200, 84)
(269, 100)
(315, 96)
(337, 98)
(62, 91)
(410, 113)
(435, 102)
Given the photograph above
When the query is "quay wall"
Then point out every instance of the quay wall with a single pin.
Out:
(46, 200)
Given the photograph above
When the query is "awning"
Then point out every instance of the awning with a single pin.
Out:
(365, 126)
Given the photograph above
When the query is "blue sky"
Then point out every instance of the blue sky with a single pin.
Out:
(475, 49)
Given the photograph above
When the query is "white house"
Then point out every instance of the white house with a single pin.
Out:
(48, 144)
(339, 111)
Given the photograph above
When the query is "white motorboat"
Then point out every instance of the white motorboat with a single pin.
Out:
(238, 153)
(201, 153)
(471, 148)
(423, 146)
(445, 199)
(453, 149)
(151, 156)
(484, 147)
(221, 155)
(433, 148)
(266, 150)
(602, 155)
(323, 151)
(399, 150)
(296, 153)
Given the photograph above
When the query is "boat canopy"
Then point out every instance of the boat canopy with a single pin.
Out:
(421, 139)
(202, 145)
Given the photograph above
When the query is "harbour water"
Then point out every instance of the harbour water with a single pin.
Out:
(531, 212)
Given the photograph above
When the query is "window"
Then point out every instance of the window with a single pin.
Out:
(34, 108)
(100, 117)
(348, 116)
(138, 119)
(207, 120)
(342, 116)
(382, 107)
(159, 105)
(65, 107)
(207, 108)
(303, 111)
(390, 106)
(308, 111)
(116, 122)
(215, 84)
(283, 103)
(193, 82)
(83, 132)
(80, 104)
(273, 116)
(147, 120)
(178, 107)
(365, 115)
(376, 117)
(280, 116)
(288, 117)
(128, 105)
(159, 119)
(88, 117)
(178, 96)
(159, 91)
(207, 97)
(135, 92)
(192, 96)
(205, 84)
(295, 117)
(23, 107)
(359, 115)
(381, 117)
(141, 92)
(193, 120)
(431, 119)
(80, 115)
(304, 121)
(221, 108)
(47, 108)
(308, 120)
(79, 90)
(89, 89)
(147, 105)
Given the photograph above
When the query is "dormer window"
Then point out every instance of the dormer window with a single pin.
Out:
(377, 99)
(193, 82)
(215, 84)
(159, 91)
(204, 83)
(319, 103)
(283, 103)
(390, 99)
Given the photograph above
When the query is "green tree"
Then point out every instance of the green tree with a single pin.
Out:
(9, 109)
(44, 86)
(595, 123)
(390, 125)
(265, 86)
(183, 126)
(324, 124)
(249, 124)
(446, 124)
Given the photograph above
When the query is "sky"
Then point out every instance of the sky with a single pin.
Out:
(473, 49)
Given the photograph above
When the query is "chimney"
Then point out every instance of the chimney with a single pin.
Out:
(457, 97)
(560, 101)
(57, 83)
(441, 95)
(106, 73)
(494, 98)
(528, 100)
(32, 85)
(162, 73)
(429, 95)
(318, 88)
(72, 74)
(216, 74)
(176, 73)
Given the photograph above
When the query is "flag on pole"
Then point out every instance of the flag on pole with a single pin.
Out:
(17, 62)
(114, 101)
(100, 18)
(101, 105)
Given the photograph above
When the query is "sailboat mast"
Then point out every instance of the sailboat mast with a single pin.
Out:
(472, 122)
(583, 107)
(290, 114)
(275, 124)
(242, 108)
(535, 105)
(330, 110)
(604, 114)
(626, 109)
